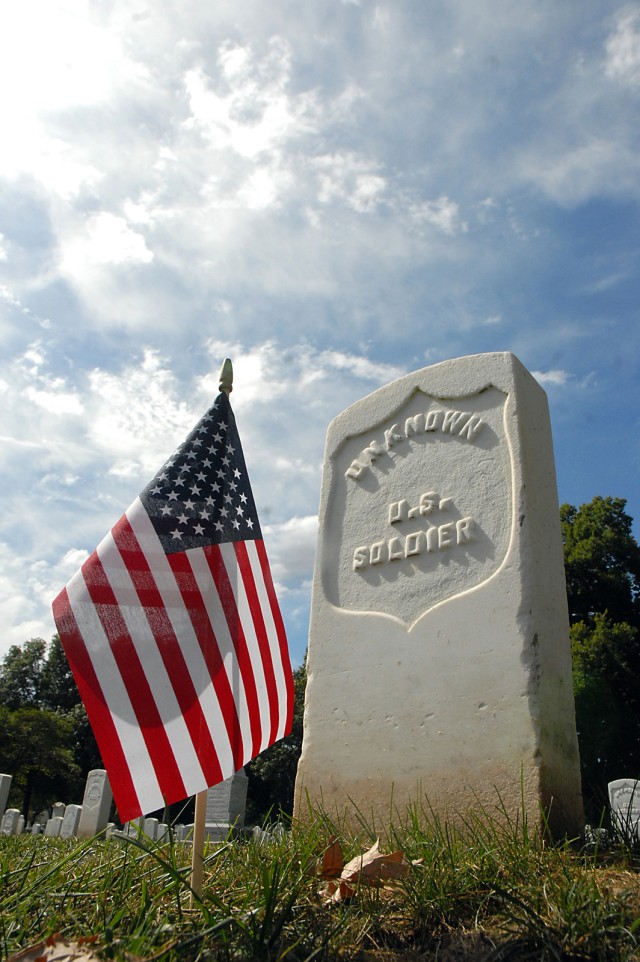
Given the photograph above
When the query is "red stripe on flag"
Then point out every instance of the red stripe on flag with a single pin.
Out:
(97, 709)
(228, 601)
(197, 611)
(280, 630)
(264, 642)
(177, 671)
(135, 680)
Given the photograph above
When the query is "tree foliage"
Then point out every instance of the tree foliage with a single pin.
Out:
(602, 561)
(37, 749)
(47, 745)
(602, 565)
(272, 775)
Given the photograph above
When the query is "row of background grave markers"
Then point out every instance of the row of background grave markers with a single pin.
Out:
(225, 811)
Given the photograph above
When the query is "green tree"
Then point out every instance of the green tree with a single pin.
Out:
(602, 565)
(37, 750)
(602, 561)
(58, 690)
(272, 775)
(21, 674)
(50, 749)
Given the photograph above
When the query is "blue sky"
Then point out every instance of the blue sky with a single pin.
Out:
(331, 193)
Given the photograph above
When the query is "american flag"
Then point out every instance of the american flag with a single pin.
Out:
(173, 632)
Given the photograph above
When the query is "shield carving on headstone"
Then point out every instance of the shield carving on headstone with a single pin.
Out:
(421, 505)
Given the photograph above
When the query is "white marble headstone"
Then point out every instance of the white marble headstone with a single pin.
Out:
(226, 803)
(5, 785)
(624, 799)
(96, 804)
(53, 826)
(10, 822)
(70, 821)
(439, 664)
(151, 828)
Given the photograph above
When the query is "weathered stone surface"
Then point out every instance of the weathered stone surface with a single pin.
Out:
(439, 664)
(5, 785)
(53, 826)
(96, 804)
(226, 804)
(624, 798)
(10, 822)
(70, 821)
(151, 828)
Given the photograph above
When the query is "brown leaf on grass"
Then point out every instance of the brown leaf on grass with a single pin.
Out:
(372, 868)
(57, 949)
(337, 891)
(332, 861)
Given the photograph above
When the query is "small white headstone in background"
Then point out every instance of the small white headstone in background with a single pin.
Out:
(57, 810)
(151, 828)
(5, 785)
(135, 826)
(259, 836)
(10, 822)
(163, 832)
(439, 665)
(36, 828)
(21, 824)
(96, 804)
(70, 821)
(53, 826)
(624, 797)
(226, 805)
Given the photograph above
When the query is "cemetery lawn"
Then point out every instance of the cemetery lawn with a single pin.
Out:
(485, 892)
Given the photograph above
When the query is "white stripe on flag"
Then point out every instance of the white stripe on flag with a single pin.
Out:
(155, 672)
(115, 695)
(246, 620)
(218, 620)
(183, 628)
(274, 644)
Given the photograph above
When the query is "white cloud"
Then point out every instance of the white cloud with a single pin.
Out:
(112, 241)
(134, 415)
(623, 47)
(56, 402)
(443, 213)
(54, 57)
(22, 613)
(291, 546)
(255, 113)
(556, 377)
(572, 175)
(350, 178)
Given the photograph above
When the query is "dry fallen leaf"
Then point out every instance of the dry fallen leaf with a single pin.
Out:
(372, 868)
(332, 861)
(57, 949)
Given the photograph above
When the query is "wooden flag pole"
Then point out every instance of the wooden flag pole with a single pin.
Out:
(199, 818)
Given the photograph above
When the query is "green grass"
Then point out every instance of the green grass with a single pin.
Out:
(486, 890)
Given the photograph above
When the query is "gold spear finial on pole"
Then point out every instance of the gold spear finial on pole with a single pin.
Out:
(226, 377)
